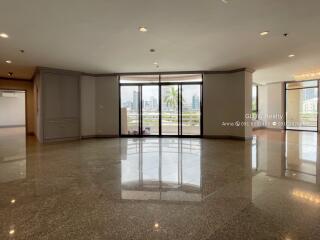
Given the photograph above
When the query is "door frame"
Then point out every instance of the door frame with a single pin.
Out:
(285, 103)
(160, 84)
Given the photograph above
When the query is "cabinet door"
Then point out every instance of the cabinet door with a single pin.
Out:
(71, 128)
(53, 129)
(52, 96)
(70, 96)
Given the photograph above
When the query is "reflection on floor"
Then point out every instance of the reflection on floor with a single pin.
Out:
(162, 188)
(161, 169)
(13, 154)
(287, 153)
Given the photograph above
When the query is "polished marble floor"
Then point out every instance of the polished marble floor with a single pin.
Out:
(160, 188)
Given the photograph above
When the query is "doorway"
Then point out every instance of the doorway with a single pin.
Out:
(161, 105)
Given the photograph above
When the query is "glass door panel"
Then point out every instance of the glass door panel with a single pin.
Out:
(150, 110)
(302, 109)
(191, 109)
(130, 110)
(169, 109)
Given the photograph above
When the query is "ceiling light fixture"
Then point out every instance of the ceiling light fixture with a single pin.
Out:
(11, 232)
(4, 35)
(225, 1)
(264, 33)
(143, 29)
(8, 61)
(291, 55)
(155, 63)
(13, 201)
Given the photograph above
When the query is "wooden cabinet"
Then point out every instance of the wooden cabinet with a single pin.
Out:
(61, 105)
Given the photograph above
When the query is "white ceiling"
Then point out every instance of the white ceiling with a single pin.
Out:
(101, 36)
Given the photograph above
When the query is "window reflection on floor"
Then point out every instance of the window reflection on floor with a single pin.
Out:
(301, 152)
(13, 162)
(254, 154)
(292, 154)
(161, 169)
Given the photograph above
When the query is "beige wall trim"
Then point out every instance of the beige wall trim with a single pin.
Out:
(227, 137)
(56, 70)
(171, 72)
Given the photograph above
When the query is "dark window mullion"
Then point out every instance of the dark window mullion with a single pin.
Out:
(140, 110)
(160, 107)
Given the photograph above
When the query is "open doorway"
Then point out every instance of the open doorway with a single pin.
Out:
(12, 114)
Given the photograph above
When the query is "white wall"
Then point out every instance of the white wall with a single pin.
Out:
(227, 98)
(12, 110)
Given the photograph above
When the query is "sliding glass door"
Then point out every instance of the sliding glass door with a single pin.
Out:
(157, 105)
(130, 108)
(191, 109)
(169, 110)
(302, 106)
(150, 110)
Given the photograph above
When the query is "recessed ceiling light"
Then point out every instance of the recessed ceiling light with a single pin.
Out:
(13, 201)
(264, 33)
(143, 29)
(291, 55)
(4, 35)
(10, 74)
(8, 61)
(11, 232)
(155, 63)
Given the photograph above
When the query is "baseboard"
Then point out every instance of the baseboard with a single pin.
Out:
(12, 126)
(227, 137)
(99, 136)
(61, 140)
(275, 129)
(259, 128)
